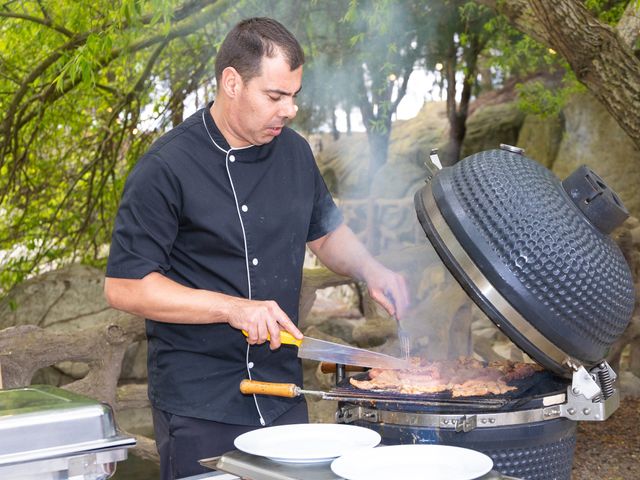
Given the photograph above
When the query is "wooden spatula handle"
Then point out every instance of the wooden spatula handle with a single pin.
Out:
(289, 390)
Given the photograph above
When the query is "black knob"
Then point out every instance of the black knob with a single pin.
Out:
(599, 203)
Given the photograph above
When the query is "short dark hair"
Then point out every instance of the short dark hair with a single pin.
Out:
(252, 39)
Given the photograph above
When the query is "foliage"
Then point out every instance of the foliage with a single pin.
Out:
(518, 57)
(74, 82)
(84, 90)
(539, 98)
(514, 54)
(608, 11)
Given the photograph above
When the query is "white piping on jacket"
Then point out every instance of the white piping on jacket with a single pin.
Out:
(244, 239)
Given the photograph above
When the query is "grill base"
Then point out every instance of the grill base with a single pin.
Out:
(534, 451)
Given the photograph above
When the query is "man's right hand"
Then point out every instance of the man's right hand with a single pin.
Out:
(262, 320)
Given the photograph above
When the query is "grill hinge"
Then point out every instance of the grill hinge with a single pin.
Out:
(592, 395)
(466, 423)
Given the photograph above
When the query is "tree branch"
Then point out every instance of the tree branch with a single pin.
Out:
(601, 60)
(521, 17)
(41, 21)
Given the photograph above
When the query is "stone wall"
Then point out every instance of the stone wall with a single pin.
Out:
(582, 134)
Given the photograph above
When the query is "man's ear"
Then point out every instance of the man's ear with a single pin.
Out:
(231, 81)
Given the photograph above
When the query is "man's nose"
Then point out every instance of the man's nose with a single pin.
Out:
(290, 109)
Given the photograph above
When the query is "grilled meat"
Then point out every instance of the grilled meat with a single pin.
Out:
(464, 377)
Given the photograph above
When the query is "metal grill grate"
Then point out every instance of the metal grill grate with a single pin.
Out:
(529, 394)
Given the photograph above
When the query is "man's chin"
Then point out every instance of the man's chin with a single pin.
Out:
(266, 138)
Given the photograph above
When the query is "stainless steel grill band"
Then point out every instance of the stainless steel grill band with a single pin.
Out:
(352, 413)
(486, 289)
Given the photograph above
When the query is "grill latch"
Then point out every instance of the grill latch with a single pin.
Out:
(466, 423)
(351, 413)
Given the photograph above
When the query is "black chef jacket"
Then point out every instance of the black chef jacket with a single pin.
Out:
(234, 221)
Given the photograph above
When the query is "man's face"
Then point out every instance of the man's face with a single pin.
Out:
(266, 102)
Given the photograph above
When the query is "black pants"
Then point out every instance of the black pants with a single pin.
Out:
(182, 441)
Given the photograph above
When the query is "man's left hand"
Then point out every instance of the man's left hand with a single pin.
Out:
(388, 288)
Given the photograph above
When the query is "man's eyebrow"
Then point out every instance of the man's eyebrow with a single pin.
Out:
(282, 92)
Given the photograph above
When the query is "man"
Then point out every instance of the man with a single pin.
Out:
(210, 239)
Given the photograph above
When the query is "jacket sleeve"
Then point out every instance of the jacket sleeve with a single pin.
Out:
(147, 221)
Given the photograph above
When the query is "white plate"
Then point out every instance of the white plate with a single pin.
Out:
(306, 442)
(432, 462)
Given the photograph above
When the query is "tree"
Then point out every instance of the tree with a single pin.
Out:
(602, 58)
(388, 40)
(74, 82)
(458, 38)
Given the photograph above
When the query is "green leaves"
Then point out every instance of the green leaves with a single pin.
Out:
(85, 61)
(608, 11)
(130, 11)
(74, 81)
(539, 98)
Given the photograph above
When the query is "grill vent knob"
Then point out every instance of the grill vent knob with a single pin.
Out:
(595, 199)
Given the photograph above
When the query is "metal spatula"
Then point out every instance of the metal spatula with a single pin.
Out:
(405, 340)
(403, 335)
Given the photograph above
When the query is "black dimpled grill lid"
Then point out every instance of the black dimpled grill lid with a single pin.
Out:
(525, 235)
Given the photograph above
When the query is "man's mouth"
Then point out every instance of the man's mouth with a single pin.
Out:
(275, 130)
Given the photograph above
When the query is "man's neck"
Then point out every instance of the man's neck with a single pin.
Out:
(221, 120)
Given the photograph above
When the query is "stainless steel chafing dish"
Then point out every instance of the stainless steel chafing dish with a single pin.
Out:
(50, 433)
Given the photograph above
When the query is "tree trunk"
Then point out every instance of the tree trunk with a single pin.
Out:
(600, 58)
(176, 105)
(378, 150)
(457, 113)
(629, 25)
(335, 133)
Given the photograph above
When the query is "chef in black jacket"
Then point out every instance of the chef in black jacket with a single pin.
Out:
(210, 239)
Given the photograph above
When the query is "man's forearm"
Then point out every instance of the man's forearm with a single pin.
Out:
(163, 300)
(160, 298)
(342, 252)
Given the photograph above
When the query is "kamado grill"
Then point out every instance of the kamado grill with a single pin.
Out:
(535, 255)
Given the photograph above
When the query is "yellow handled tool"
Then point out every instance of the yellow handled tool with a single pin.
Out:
(316, 349)
(285, 337)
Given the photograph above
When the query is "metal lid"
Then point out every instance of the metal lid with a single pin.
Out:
(542, 268)
(42, 422)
